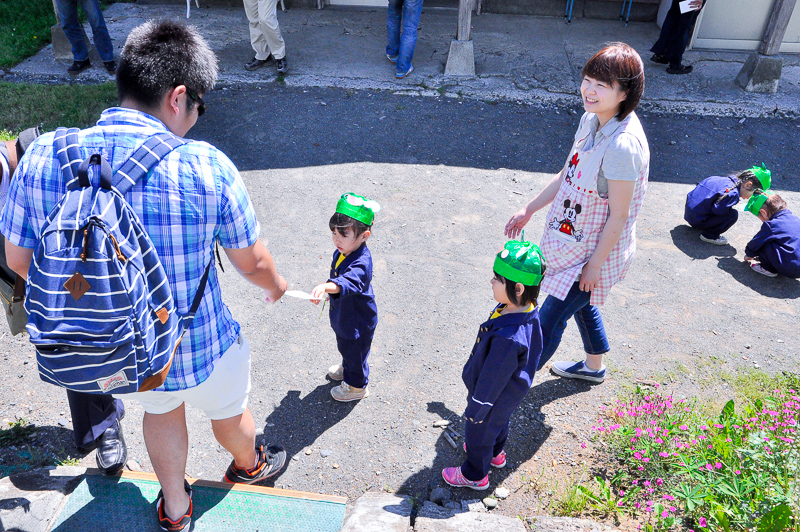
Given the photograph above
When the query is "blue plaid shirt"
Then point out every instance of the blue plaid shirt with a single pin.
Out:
(192, 197)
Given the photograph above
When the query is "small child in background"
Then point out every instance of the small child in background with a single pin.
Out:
(495, 374)
(353, 312)
(776, 246)
(710, 206)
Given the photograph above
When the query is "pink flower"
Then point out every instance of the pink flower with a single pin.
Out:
(659, 481)
(672, 508)
(621, 493)
(702, 522)
(646, 482)
(665, 514)
(638, 505)
(738, 472)
(709, 467)
(583, 445)
(646, 459)
(718, 465)
(684, 427)
(663, 454)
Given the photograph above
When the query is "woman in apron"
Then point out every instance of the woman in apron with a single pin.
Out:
(590, 231)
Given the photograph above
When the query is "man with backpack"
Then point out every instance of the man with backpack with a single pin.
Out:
(190, 197)
(95, 418)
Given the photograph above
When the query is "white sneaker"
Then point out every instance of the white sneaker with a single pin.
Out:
(721, 241)
(336, 373)
(757, 267)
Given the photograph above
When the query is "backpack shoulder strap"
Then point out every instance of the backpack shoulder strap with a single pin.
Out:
(144, 159)
(66, 149)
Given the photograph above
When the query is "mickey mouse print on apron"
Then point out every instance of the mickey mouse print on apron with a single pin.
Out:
(578, 214)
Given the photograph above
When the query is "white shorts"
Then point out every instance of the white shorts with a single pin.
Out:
(221, 396)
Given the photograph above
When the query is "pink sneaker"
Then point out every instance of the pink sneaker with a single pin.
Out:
(498, 461)
(453, 476)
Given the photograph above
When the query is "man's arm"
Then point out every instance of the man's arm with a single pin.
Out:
(255, 264)
(19, 259)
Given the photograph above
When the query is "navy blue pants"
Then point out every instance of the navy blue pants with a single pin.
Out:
(484, 441)
(715, 226)
(92, 414)
(354, 359)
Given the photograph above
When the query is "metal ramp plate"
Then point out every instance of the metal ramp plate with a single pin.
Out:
(127, 503)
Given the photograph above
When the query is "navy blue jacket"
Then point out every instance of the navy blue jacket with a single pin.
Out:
(778, 244)
(713, 197)
(495, 373)
(353, 311)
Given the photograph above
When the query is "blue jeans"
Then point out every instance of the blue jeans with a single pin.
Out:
(402, 44)
(554, 315)
(68, 13)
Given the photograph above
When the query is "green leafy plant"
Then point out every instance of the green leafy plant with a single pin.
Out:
(19, 432)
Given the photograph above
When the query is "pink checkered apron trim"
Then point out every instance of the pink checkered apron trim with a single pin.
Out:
(578, 214)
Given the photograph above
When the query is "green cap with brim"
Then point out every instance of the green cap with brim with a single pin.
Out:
(358, 207)
(755, 203)
(764, 176)
(520, 262)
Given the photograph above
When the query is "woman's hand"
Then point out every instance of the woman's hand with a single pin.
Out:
(517, 223)
(590, 277)
(696, 4)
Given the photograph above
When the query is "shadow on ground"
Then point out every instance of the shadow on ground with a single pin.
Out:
(775, 287)
(290, 427)
(525, 438)
(688, 241)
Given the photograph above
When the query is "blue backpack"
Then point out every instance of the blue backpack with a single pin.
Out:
(101, 312)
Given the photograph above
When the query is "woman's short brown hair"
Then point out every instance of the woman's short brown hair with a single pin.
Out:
(619, 64)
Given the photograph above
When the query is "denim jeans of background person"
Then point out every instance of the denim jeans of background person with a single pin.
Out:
(68, 13)
(402, 21)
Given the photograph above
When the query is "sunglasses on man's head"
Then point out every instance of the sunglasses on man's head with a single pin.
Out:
(201, 105)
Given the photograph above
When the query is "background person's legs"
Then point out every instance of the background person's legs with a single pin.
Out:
(268, 20)
(393, 29)
(68, 13)
(102, 40)
(92, 414)
(412, 10)
(257, 38)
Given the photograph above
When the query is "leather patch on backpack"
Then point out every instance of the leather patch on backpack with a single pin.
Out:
(163, 315)
(77, 285)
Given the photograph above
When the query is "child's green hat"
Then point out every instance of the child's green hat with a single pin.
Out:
(764, 176)
(520, 262)
(358, 207)
(756, 202)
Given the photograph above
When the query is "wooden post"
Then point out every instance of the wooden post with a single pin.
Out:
(776, 28)
(464, 32)
(55, 8)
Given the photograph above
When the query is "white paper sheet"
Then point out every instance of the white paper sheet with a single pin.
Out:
(685, 7)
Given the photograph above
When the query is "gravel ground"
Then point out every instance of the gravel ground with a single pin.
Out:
(688, 316)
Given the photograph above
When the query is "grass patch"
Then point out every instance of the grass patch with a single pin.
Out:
(17, 433)
(680, 467)
(24, 105)
(24, 28)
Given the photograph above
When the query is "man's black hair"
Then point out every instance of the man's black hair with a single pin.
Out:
(159, 56)
(340, 221)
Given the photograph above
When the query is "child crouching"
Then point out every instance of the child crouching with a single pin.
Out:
(710, 206)
(353, 313)
(495, 374)
(776, 247)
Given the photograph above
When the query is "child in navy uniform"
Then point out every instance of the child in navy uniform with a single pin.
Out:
(353, 312)
(710, 206)
(495, 374)
(777, 245)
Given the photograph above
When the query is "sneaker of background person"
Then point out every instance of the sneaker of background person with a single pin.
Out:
(392, 58)
(269, 463)
(180, 525)
(336, 373)
(401, 75)
(111, 67)
(719, 241)
(454, 477)
(498, 461)
(283, 66)
(78, 66)
(345, 393)
(758, 268)
(660, 59)
(578, 370)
